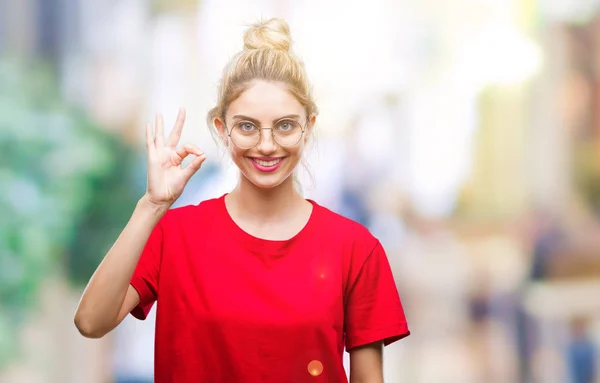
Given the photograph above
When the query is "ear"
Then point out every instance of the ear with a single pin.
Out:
(312, 119)
(222, 130)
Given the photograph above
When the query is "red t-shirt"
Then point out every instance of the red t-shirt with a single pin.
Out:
(236, 308)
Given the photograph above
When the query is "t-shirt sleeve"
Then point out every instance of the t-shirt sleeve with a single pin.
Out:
(373, 308)
(145, 276)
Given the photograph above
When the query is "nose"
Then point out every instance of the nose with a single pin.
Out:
(266, 145)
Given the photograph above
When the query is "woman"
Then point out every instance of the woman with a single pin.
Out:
(259, 285)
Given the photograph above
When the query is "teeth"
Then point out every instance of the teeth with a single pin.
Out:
(267, 163)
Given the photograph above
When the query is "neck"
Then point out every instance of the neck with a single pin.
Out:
(261, 204)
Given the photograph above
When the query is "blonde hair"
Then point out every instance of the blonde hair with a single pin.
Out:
(267, 55)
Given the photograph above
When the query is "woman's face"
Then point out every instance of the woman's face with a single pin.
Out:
(265, 131)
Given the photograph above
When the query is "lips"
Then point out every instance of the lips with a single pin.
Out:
(266, 164)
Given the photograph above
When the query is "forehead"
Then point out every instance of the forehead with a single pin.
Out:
(265, 101)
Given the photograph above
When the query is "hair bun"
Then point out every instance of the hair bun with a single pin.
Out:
(271, 34)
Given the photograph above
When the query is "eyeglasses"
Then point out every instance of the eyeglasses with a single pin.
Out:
(246, 135)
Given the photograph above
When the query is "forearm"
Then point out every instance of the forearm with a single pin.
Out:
(373, 380)
(366, 363)
(103, 297)
(376, 377)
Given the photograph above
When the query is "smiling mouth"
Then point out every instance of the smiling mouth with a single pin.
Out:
(266, 163)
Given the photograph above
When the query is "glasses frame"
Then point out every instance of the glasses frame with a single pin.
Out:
(260, 129)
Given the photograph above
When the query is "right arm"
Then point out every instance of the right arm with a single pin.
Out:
(109, 297)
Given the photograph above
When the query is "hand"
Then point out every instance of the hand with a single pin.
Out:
(166, 177)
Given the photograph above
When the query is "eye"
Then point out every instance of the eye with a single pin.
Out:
(286, 125)
(247, 127)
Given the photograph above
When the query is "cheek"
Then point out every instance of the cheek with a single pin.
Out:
(235, 152)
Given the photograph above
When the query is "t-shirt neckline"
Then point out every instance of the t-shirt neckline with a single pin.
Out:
(240, 234)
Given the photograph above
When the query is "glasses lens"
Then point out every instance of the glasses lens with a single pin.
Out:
(287, 132)
(245, 135)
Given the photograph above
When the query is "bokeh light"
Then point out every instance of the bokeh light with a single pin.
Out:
(315, 368)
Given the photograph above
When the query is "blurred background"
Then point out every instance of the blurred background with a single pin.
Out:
(464, 133)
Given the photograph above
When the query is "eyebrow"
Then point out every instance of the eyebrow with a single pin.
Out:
(254, 120)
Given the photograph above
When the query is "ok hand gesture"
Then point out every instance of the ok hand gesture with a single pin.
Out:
(166, 177)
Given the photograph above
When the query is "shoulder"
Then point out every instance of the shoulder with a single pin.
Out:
(353, 243)
(192, 213)
(344, 230)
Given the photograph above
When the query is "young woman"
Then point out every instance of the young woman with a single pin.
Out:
(261, 284)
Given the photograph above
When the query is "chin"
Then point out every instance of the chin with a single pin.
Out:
(269, 180)
(265, 182)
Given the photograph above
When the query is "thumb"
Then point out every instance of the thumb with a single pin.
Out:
(193, 167)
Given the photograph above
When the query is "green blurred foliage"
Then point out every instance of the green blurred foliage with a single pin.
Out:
(67, 190)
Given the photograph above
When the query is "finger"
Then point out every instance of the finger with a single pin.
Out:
(193, 167)
(176, 132)
(159, 135)
(187, 149)
(149, 139)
